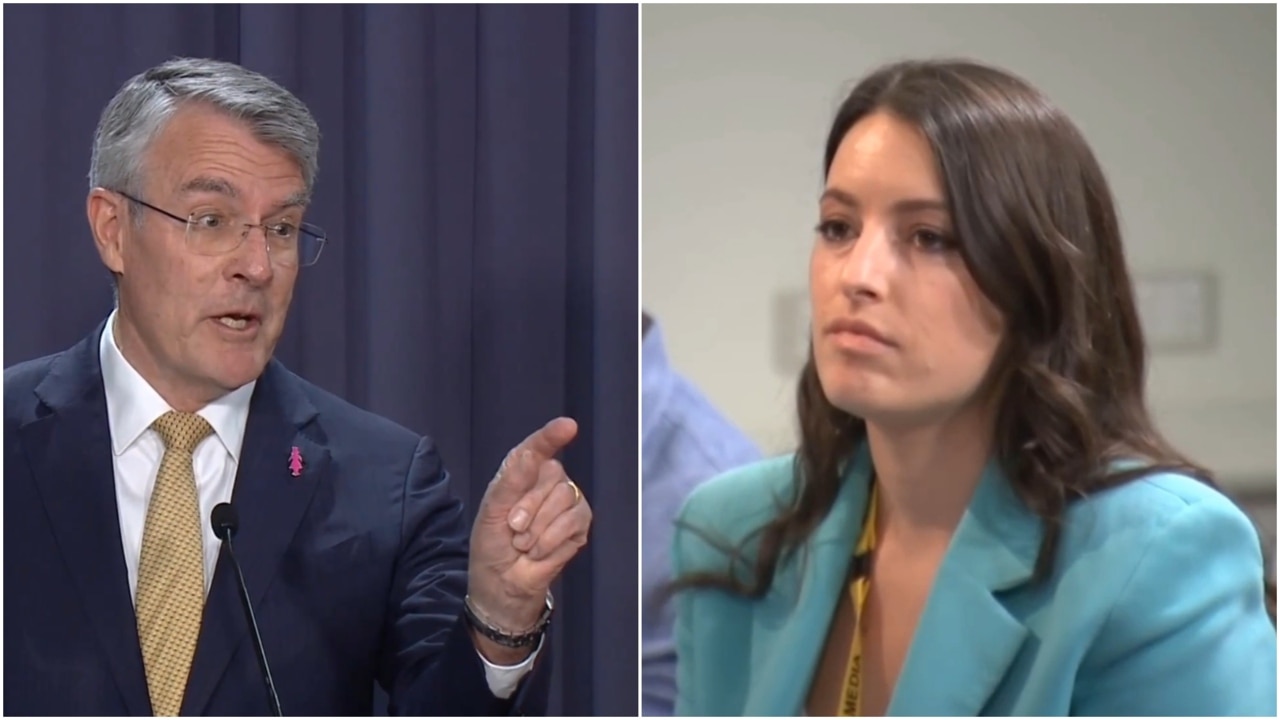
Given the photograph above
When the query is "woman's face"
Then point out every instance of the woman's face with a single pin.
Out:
(901, 333)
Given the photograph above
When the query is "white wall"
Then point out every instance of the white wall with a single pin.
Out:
(1178, 102)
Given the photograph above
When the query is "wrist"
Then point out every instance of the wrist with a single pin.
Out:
(521, 634)
(500, 655)
(513, 615)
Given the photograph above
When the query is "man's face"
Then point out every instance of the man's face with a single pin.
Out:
(198, 326)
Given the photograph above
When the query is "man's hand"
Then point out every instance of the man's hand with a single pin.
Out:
(530, 524)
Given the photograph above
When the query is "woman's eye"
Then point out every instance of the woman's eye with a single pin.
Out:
(932, 241)
(835, 230)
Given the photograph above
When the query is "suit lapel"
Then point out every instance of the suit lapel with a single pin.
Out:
(797, 613)
(966, 639)
(271, 503)
(69, 453)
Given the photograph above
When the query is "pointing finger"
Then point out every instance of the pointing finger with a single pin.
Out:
(515, 477)
(519, 471)
(550, 439)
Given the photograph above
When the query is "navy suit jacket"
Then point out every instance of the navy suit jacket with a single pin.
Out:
(357, 568)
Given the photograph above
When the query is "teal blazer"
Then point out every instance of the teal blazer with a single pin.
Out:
(1155, 606)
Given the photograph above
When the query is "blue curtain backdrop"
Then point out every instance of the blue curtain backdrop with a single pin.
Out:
(478, 178)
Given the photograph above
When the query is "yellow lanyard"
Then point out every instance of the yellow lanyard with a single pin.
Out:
(851, 702)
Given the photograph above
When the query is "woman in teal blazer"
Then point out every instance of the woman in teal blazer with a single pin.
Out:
(981, 517)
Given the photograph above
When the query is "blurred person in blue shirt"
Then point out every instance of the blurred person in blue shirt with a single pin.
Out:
(685, 441)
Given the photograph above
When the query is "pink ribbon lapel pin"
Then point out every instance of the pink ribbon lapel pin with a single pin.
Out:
(295, 461)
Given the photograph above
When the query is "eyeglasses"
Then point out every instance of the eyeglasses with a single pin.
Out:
(213, 232)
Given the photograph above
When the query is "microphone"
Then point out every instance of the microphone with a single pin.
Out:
(225, 522)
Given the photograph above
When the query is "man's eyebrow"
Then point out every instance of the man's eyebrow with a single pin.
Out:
(222, 187)
(298, 199)
(208, 184)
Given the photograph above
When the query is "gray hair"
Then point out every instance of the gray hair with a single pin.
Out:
(142, 108)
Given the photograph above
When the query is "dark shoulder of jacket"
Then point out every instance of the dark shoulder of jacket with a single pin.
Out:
(20, 382)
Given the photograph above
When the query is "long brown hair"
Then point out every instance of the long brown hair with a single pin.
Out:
(1039, 233)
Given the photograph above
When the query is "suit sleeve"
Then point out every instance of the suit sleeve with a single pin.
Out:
(429, 664)
(1190, 634)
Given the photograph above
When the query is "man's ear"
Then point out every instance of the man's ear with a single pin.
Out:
(108, 218)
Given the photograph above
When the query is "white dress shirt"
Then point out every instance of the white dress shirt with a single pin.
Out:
(132, 406)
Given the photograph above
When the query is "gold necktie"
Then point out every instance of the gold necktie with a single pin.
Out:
(171, 569)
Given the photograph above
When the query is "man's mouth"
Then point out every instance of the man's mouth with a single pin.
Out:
(236, 321)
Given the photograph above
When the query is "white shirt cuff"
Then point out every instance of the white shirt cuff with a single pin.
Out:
(504, 679)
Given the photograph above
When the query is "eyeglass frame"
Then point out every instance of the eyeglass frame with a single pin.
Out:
(307, 228)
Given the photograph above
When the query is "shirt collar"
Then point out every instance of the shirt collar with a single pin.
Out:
(133, 405)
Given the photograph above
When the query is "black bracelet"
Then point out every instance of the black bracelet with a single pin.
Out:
(502, 637)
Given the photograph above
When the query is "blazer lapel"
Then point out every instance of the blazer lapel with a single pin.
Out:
(966, 639)
(797, 613)
(69, 453)
(271, 503)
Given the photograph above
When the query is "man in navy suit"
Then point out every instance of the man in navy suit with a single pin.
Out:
(360, 566)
